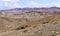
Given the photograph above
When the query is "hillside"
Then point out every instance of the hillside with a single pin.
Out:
(7, 24)
(47, 26)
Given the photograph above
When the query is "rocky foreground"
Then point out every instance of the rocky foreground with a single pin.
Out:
(48, 26)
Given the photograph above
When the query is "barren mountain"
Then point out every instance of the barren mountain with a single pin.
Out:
(30, 22)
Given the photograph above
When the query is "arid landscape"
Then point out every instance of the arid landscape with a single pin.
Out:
(30, 22)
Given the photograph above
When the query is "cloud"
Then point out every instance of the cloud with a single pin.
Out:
(9, 0)
(5, 0)
(10, 3)
(55, 4)
(33, 4)
(36, 4)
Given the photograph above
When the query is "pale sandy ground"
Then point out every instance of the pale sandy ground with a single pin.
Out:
(49, 26)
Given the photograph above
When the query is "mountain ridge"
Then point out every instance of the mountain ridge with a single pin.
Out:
(33, 8)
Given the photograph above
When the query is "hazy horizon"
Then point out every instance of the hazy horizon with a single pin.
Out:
(10, 4)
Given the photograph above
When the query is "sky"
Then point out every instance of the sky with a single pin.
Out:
(10, 4)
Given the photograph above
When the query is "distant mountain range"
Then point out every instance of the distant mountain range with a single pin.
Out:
(36, 8)
(43, 8)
